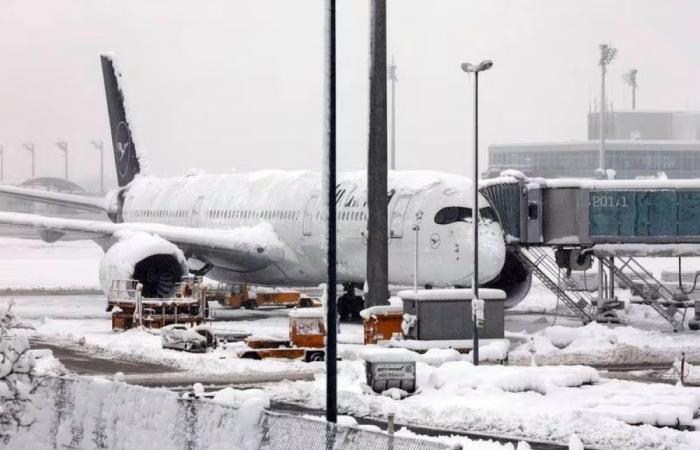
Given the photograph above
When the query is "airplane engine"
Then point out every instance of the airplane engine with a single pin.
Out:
(156, 263)
(515, 279)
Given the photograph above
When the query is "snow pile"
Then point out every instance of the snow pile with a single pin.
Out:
(597, 344)
(461, 375)
(439, 356)
(495, 350)
(237, 397)
(88, 414)
(539, 403)
(661, 405)
(17, 380)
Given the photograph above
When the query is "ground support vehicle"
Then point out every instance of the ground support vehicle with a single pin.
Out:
(179, 337)
(130, 308)
(241, 295)
(307, 332)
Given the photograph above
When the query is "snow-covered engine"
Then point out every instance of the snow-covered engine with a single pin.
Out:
(156, 263)
(515, 280)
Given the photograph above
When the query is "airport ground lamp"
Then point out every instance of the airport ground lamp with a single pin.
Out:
(475, 69)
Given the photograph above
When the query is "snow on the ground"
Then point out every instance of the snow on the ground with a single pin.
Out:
(544, 403)
(34, 264)
(600, 344)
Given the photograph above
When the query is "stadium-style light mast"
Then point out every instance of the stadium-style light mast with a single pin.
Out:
(607, 54)
(475, 69)
(99, 145)
(63, 146)
(631, 79)
(29, 146)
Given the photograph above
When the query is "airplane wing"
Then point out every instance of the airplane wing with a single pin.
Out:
(254, 247)
(55, 198)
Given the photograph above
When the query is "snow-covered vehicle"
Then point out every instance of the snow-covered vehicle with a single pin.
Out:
(180, 337)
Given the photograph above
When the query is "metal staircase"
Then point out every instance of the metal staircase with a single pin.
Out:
(647, 287)
(545, 268)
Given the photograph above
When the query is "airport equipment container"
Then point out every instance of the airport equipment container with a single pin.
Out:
(446, 314)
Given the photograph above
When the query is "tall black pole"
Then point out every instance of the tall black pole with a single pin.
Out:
(331, 342)
(377, 200)
(475, 219)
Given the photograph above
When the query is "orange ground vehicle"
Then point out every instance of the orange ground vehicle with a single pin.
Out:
(307, 338)
(239, 295)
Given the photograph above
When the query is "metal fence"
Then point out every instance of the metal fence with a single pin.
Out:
(84, 414)
(283, 431)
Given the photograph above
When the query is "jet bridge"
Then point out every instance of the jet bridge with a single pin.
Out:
(613, 220)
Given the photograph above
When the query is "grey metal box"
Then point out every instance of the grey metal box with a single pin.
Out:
(451, 319)
(386, 375)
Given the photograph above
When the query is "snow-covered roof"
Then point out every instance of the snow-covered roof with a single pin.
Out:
(381, 354)
(611, 144)
(381, 310)
(306, 313)
(590, 183)
(656, 250)
(451, 294)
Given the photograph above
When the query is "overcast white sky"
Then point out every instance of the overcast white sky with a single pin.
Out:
(238, 84)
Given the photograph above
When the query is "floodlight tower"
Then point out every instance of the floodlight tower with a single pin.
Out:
(631, 79)
(475, 69)
(392, 77)
(30, 148)
(63, 146)
(99, 145)
(607, 54)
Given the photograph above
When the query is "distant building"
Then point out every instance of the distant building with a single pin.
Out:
(639, 144)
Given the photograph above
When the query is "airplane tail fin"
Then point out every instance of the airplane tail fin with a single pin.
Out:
(125, 156)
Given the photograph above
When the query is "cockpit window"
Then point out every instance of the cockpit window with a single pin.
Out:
(452, 214)
(488, 213)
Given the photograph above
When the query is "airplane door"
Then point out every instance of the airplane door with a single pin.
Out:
(196, 217)
(397, 216)
(308, 214)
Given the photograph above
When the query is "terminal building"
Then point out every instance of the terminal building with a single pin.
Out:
(639, 144)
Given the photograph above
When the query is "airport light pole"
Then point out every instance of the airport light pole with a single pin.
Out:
(99, 145)
(607, 54)
(475, 69)
(631, 79)
(63, 146)
(392, 77)
(329, 180)
(30, 148)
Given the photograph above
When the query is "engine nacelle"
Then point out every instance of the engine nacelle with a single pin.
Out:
(515, 280)
(156, 263)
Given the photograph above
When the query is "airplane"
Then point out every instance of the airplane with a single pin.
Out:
(267, 227)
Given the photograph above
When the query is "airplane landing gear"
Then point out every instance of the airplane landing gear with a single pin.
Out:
(349, 304)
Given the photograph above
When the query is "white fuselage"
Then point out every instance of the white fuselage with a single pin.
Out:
(292, 203)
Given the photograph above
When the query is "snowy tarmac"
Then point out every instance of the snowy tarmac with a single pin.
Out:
(541, 403)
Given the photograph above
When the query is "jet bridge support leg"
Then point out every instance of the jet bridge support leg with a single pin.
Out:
(644, 284)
